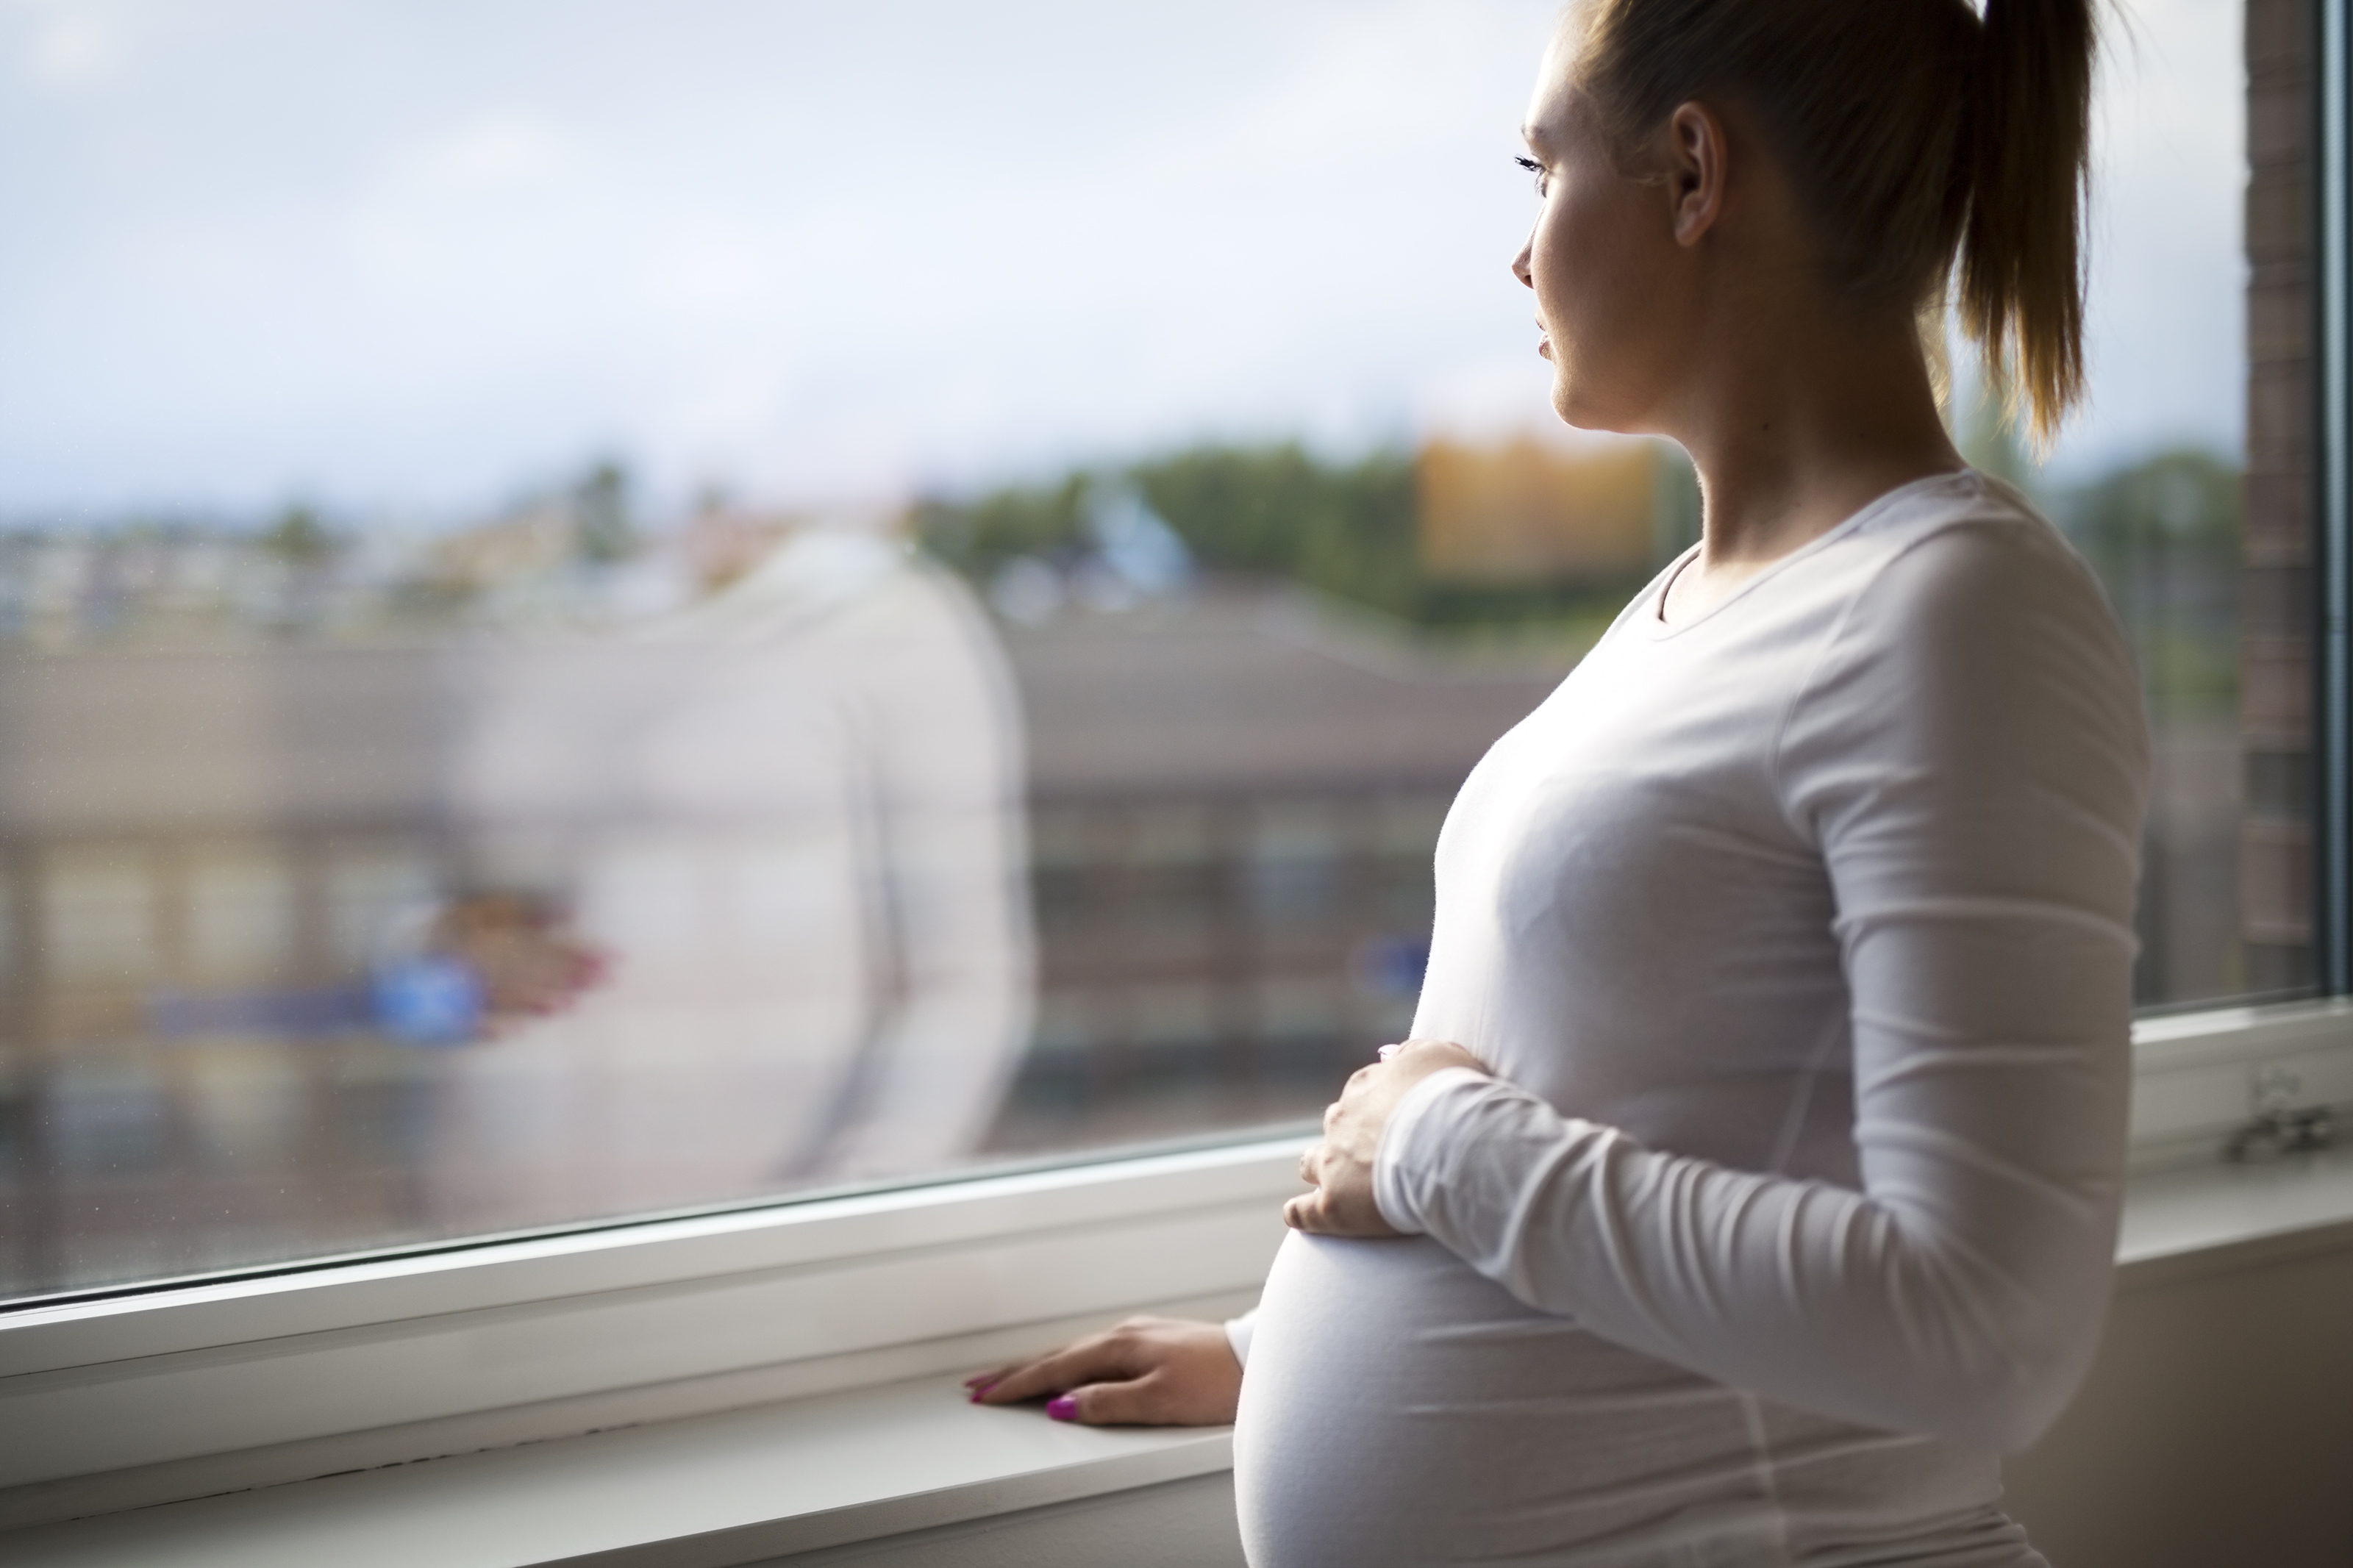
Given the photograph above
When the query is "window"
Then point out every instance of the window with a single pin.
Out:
(605, 613)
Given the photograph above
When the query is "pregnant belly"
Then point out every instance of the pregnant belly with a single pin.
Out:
(1402, 1409)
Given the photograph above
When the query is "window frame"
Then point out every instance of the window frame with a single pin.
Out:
(2332, 342)
(166, 1393)
(112, 1401)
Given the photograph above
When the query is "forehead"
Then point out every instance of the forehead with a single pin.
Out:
(1553, 106)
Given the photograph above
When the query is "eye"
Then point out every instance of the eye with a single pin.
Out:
(1533, 167)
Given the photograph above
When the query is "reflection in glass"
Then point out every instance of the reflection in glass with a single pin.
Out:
(739, 891)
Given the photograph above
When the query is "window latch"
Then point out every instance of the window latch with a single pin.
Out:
(2280, 1126)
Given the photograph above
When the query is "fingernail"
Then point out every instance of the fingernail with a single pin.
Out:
(1063, 1409)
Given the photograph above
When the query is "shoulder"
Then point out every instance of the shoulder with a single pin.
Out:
(1968, 538)
(1964, 537)
(1963, 575)
(1970, 629)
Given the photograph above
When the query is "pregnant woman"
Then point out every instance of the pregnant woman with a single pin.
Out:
(1752, 1180)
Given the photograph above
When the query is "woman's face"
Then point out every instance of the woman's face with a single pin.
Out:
(1605, 265)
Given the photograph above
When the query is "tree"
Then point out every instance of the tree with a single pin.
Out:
(600, 510)
(300, 539)
(1345, 528)
(2163, 535)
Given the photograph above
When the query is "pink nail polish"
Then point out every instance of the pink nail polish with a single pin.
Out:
(1063, 1409)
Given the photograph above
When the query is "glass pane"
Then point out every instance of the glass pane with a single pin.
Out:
(2187, 483)
(606, 609)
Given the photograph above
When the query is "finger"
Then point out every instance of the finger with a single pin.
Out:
(1304, 1212)
(1131, 1402)
(1011, 1385)
(1085, 1362)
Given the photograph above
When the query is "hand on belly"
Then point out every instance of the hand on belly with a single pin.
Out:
(1340, 1168)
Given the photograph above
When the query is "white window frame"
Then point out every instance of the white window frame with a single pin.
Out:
(176, 1392)
(168, 1393)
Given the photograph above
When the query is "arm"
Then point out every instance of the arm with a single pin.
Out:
(942, 724)
(1971, 762)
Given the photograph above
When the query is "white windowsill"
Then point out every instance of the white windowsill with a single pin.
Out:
(2229, 1216)
(748, 1485)
(700, 1493)
(122, 1405)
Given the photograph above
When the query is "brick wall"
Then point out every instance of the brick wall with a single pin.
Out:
(2276, 610)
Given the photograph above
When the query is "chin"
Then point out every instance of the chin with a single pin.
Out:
(1579, 412)
(1581, 409)
(1564, 394)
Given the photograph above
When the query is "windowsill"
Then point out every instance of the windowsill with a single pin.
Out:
(715, 1490)
(2184, 1222)
(747, 1485)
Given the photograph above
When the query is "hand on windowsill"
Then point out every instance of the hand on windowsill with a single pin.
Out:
(1146, 1371)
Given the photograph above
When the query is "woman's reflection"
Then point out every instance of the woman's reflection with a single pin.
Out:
(743, 902)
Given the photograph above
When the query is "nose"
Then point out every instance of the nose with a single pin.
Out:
(1520, 263)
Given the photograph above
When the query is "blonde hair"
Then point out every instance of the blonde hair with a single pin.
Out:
(1915, 133)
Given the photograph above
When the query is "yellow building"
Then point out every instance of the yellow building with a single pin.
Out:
(1528, 512)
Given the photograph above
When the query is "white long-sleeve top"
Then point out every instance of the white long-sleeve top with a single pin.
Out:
(1798, 938)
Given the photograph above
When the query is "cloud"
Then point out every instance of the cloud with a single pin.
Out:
(412, 249)
(73, 49)
(498, 152)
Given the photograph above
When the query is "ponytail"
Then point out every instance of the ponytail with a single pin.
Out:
(2021, 273)
(1912, 131)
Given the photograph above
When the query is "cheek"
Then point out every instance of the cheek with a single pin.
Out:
(1598, 291)
(1584, 260)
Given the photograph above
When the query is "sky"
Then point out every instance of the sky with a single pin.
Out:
(418, 257)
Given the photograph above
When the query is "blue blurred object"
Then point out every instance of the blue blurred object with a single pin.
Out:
(1391, 965)
(1138, 545)
(429, 1000)
(312, 1013)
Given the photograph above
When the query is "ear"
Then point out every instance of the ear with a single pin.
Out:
(1697, 166)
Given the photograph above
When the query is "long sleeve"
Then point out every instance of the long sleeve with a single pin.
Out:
(943, 823)
(1238, 1333)
(1969, 760)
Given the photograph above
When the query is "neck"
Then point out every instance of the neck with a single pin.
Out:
(1796, 424)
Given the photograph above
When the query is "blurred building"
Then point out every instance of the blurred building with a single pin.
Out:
(1235, 799)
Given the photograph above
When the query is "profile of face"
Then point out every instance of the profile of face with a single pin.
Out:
(1613, 255)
